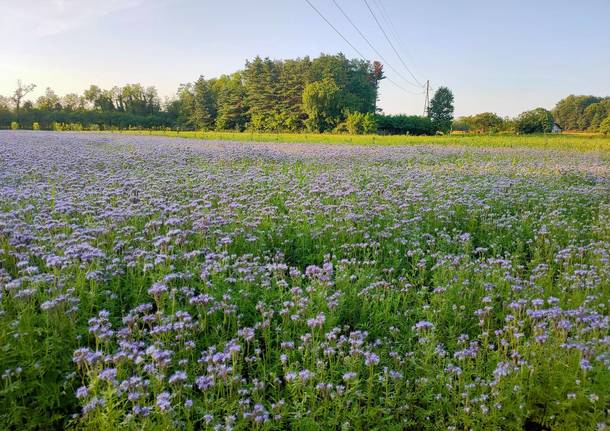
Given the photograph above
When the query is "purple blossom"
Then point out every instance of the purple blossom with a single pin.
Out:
(163, 401)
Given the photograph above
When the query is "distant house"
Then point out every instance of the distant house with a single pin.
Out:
(556, 128)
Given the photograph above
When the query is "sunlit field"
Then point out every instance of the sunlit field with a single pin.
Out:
(571, 142)
(157, 283)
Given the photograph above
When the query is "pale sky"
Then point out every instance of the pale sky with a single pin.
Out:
(500, 56)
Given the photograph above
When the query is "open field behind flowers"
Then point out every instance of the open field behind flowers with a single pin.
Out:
(158, 283)
(569, 141)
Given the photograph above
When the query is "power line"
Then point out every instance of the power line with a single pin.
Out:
(388, 19)
(334, 28)
(371, 45)
(350, 44)
(390, 42)
(403, 88)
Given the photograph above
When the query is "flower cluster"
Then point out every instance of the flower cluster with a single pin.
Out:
(155, 283)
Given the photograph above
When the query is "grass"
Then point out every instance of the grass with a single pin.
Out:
(154, 284)
(575, 141)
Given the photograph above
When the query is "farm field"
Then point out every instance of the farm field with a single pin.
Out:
(571, 142)
(150, 282)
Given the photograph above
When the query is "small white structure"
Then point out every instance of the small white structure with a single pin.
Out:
(556, 128)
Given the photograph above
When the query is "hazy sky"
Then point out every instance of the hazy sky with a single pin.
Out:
(501, 56)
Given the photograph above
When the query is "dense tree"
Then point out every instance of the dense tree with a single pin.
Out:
(49, 102)
(321, 103)
(268, 95)
(569, 112)
(292, 81)
(485, 122)
(441, 109)
(100, 99)
(356, 80)
(72, 102)
(261, 79)
(204, 105)
(594, 114)
(537, 120)
(230, 100)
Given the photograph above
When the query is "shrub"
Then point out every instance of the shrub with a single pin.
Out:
(35, 126)
(369, 124)
(358, 123)
(404, 125)
(14, 125)
(604, 127)
(75, 127)
(353, 122)
(460, 125)
(341, 128)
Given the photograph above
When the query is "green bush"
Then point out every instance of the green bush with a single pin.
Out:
(604, 127)
(369, 124)
(460, 125)
(404, 125)
(35, 126)
(14, 125)
(341, 128)
(358, 123)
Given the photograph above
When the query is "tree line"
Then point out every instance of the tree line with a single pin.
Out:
(330, 93)
(573, 113)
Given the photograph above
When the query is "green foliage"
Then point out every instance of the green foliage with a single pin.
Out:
(441, 109)
(49, 102)
(460, 124)
(594, 114)
(203, 112)
(321, 104)
(404, 125)
(604, 127)
(230, 98)
(581, 112)
(486, 122)
(369, 124)
(358, 123)
(14, 125)
(35, 126)
(131, 98)
(537, 120)
(267, 96)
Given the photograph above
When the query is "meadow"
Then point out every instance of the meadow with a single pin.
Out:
(565, 141)
(154, 283)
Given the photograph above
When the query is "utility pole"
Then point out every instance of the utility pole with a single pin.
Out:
(427, 101)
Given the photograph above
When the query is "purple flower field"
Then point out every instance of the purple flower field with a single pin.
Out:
(151, 283)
